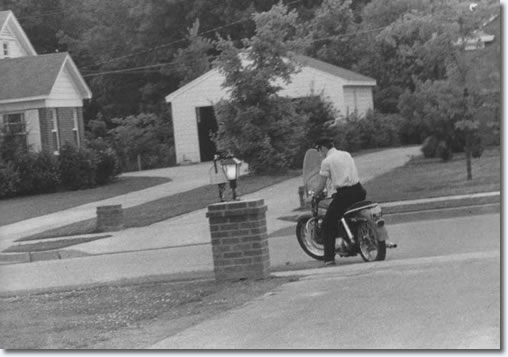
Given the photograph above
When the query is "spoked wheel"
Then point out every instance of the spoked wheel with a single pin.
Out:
(371, 249)
(306, 232)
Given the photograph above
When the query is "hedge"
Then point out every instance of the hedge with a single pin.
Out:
(35, 173)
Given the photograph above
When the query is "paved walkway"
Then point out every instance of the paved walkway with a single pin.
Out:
(183, 178)
(281, 200)
(145, 251)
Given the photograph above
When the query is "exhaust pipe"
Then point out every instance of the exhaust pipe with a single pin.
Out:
(390, 245)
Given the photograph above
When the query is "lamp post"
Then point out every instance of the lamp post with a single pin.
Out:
(218, 177)
(231, 166)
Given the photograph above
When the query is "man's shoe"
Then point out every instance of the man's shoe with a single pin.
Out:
(330, 263)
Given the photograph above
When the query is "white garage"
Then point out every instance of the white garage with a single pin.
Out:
(192, 104)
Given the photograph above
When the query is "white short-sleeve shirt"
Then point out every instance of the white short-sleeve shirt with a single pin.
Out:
(340, 169)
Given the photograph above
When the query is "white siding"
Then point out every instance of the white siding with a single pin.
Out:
(33, 129)
(64, 92)
(207, 90)
(21, 106)
(15, 48)
(203, 93)
(313, 82)
(358, 99)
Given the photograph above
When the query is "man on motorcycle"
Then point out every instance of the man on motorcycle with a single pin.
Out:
(339, 168)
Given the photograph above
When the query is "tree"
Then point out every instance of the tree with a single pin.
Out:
(255, 124)
(144, 140)
(432, 110)
(330, 31)
(194, 60)
(459, 69)
(41, 20)
(414, 47)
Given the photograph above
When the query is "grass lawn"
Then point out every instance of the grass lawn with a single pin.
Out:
(168, 207)
(50, 245)
(20, 208)
(426, 178)
(419, 178)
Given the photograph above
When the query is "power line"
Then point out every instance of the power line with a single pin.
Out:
(49, 13)
(155, 48)
(160, 46)
(139, 70)
(132, 69)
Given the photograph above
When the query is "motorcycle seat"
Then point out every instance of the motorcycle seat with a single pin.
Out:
(359, 206)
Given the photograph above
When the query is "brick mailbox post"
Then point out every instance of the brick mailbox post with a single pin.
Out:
(109, 218)
(239, 240)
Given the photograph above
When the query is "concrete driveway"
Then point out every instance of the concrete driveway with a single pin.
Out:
(192, 228)
(183, 178)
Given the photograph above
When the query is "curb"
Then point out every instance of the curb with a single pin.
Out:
(441, 202)
(394, 212)
(30, 257)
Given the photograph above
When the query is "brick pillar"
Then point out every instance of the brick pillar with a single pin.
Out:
(109, 218)
(239, 240)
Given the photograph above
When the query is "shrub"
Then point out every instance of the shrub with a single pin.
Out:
(107, 166)
(375, 130)
(429, 146)
(147, 136)
(11, 145)
(444, 151)
(77, 168)
(9, 181)
(37, 172)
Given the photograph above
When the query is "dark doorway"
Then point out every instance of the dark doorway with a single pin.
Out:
(207, 126)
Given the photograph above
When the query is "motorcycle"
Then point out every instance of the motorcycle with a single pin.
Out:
(362, 223)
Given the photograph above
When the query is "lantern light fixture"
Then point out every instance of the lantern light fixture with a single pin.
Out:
(231, 167)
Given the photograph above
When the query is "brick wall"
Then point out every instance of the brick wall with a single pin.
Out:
(45, 125)
(239, 240)
(81, 124)
(110, 218)
(65, 127)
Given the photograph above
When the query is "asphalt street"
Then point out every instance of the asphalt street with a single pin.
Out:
(440, 290)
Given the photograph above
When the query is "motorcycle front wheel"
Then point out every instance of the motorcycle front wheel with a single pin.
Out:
(371, 249)
(306, 233)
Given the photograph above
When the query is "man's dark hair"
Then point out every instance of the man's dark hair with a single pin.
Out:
(326, 142)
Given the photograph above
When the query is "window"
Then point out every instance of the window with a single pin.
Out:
(14, 123)
(5, 49)
(54, 130)
(75, 129)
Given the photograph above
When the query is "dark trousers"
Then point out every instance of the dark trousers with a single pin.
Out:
(341, 201)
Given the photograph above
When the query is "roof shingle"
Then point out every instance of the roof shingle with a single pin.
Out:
(3, 17)
(332, 69)
(30, 76)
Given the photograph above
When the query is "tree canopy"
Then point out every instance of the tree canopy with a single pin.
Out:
(133, 53)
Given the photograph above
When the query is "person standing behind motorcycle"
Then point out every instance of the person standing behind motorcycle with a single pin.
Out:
(339, 169)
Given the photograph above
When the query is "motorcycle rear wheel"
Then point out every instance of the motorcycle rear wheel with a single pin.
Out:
(306, 234)
(371, 249)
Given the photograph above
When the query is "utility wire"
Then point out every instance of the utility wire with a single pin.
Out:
(132, 69)
(139, 70)
(49, 13)
(175, 41)
(160, 46)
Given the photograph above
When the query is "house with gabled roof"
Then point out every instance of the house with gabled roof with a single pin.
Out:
(192, 105)
(41, 96)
